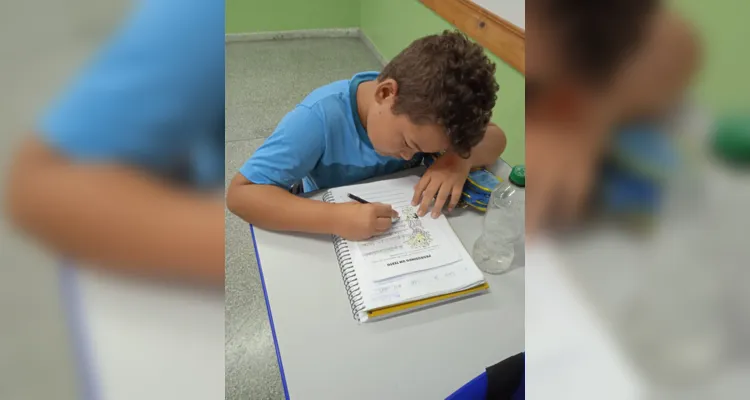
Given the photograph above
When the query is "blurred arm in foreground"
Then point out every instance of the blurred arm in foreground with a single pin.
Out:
(115, 216)
(585, 81)
(98, 182)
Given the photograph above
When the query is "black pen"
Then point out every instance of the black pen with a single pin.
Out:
(363, 201)
(357, 199)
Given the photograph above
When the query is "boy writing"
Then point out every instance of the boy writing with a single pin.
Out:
(436, 95)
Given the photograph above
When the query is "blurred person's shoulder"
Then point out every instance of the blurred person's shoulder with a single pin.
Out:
(192, 29)
(157, 81)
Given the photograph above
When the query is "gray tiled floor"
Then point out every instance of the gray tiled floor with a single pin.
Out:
(264, 81)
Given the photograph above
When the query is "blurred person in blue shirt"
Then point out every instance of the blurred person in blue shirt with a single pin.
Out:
(123, 173)
(120, 169)
(592, 69)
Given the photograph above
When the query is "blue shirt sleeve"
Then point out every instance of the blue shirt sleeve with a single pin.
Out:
(151, 95)
(290, 153)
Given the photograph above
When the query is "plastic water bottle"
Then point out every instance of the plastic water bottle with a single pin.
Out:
(503, 224)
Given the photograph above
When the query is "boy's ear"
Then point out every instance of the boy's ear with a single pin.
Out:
(386, 90)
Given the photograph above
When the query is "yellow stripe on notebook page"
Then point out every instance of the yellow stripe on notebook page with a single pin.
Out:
(380, 312)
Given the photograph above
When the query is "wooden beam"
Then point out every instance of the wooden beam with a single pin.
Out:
(495, 34)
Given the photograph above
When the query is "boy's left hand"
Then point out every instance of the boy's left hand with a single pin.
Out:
(444, 178)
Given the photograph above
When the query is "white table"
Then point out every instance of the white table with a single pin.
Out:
(144, 340)
(323, 353)
(578, 288)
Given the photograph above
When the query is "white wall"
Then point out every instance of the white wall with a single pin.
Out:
(513, 11)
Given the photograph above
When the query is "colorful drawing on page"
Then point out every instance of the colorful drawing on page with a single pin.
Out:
(419, 238)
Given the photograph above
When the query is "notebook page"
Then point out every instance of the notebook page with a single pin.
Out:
(418, 285)
(412, 244)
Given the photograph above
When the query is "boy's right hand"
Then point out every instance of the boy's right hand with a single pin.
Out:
(355, 221)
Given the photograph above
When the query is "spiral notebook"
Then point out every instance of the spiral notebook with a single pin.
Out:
(419, 263)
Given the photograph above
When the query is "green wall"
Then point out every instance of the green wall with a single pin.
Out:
(283, 15)
(724, 83)
(392, 24)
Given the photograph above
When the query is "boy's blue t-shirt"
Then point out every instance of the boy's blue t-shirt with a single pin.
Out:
(322, 142)
(153, 98)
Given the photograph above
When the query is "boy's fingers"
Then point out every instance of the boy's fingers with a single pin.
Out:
(427, 198)
(442, 197)
(455, 197)
(383, 224)
(383, 210)
(419, 188)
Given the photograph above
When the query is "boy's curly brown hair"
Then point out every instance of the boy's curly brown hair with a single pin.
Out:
(447, 80)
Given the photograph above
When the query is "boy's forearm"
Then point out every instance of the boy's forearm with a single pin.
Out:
(116, 217)
(273, 208)
(487, 152)
(490, 148)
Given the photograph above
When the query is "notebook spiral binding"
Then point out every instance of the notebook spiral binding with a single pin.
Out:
(344, 257)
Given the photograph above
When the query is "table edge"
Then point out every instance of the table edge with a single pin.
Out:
(270, 316)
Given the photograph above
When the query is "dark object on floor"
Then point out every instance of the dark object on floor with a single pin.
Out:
(502, 381)
(505, 380)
